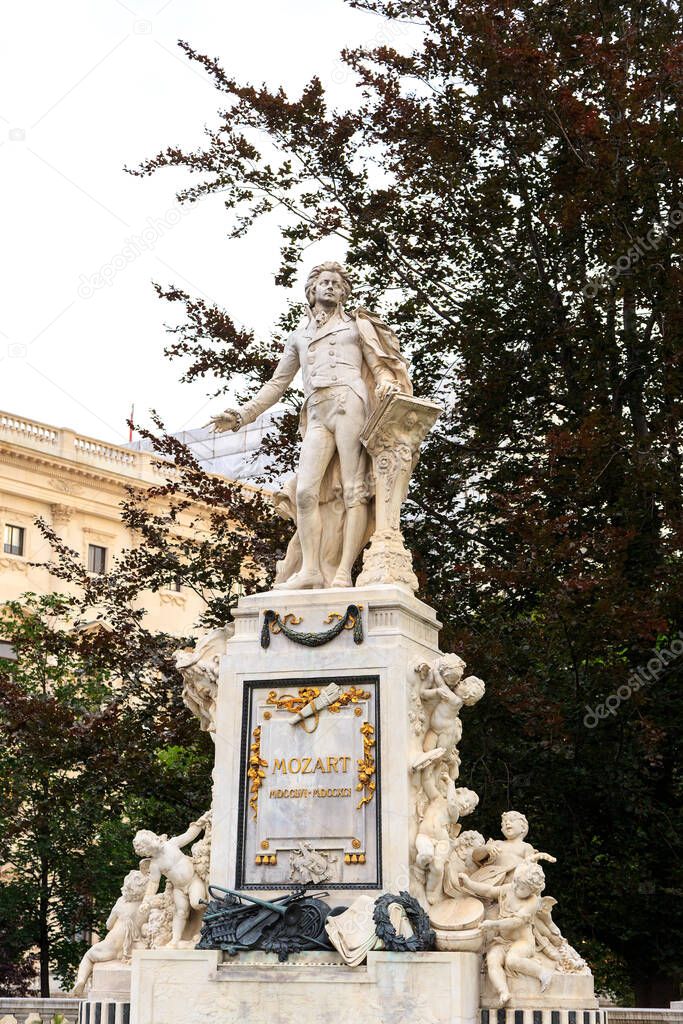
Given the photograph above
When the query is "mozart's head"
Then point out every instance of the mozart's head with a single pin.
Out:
(327, 283)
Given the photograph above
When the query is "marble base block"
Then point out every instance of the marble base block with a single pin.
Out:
(566, 992)
(108, 998)
(199, 987)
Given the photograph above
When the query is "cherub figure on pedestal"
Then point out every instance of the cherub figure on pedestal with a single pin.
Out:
(498, 859)
(165, 857)
(123, 930)
(513, 947)
(437, 821)
(443, 693)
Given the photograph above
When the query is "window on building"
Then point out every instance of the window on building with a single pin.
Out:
(14, 539)
(7, 651)
(97, 559)
(173, 584)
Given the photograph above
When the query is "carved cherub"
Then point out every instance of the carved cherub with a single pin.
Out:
(460, 860)
(443, 693)
(513, 945)
(498, 859)
(551, 942)
(123, 930)
(165, 857)
(444, 807)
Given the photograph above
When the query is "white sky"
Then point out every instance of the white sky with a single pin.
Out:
(91, 85)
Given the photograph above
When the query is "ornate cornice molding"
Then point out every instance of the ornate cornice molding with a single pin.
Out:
(66, 470)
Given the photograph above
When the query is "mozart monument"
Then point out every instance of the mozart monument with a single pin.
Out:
(339, 874)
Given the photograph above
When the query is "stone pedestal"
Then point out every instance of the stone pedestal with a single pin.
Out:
(108, 999)
(569, 999)
(319, 723)
(340, 779)
(199, 987)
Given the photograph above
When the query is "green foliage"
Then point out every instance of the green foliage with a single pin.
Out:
(81, 713)
(612, 976)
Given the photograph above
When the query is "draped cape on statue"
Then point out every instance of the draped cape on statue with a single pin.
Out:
(384, 343)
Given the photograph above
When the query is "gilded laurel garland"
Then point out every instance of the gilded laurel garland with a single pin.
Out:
(255, 771)
(367, 767)
(288, 702)
(307, 694)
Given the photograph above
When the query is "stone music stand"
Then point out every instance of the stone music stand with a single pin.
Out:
(393, 435)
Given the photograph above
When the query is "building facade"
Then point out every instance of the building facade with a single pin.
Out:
(76, 484)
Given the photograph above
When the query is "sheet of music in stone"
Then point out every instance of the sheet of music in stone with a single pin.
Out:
(310, 787)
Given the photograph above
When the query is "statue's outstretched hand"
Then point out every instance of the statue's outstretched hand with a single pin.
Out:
(231, 419)
(387, 387)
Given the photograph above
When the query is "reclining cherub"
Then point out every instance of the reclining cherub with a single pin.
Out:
(123, 930)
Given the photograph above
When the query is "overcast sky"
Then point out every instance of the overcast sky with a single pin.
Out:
(86, 88)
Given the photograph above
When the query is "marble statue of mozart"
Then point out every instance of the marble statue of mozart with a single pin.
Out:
(349, 363)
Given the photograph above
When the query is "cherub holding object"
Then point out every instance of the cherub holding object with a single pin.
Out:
(498, 859)
(157, 931)
(443, 693)
(123, 930)
(513, 942)
(444, 808)
(551, 942)
(165, 857)
(460, 860)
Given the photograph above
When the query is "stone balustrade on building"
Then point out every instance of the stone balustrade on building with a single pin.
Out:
(63, 443)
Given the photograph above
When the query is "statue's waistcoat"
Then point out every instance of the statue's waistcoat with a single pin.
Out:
(331, 356)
